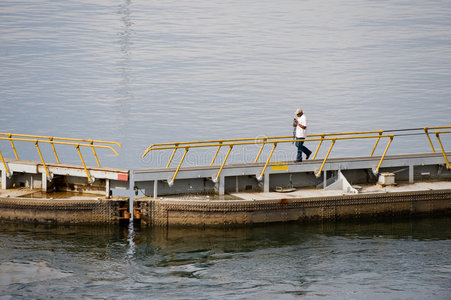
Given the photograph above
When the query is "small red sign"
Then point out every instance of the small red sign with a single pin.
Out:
(122, 177)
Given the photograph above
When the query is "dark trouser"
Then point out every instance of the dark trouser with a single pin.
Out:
(301, 148)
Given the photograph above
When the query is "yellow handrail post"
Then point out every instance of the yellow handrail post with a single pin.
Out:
(12, 145)
(267, 162)
(383, 155)
(178, 168)
(4, 164)
(216, 154)
(54, 150)
(437, 134)
(172, 156)
(377, 142)
(429, 138)
(83, 162)
(42, 159)
(223, 163)
(260, 152)
(95, 153)
(319, 145)
(318, 173)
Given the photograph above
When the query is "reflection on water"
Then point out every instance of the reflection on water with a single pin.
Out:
(391, 257)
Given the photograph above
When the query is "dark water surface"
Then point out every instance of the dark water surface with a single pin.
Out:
(385, 259)
(144, 72)
(396, 259)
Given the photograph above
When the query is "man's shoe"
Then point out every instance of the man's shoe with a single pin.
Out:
(308, 155)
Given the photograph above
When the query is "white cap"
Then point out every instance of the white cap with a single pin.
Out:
(298, 111)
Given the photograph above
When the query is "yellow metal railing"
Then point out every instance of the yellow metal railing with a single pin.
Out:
(258, 140)
(56, 141)
(218, 144)
(426, 131)
(51, 139)
(437, 134)
(263, 141)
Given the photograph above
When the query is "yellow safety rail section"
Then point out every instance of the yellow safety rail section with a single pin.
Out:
(437, 134)
(274, 141)
(56, 141)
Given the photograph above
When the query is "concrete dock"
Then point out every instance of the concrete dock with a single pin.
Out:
(347, 188)
(28, 196)
(59, 193)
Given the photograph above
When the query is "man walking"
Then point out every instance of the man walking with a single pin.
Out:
(300, 122)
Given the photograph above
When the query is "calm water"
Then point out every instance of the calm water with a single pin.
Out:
(143, 72)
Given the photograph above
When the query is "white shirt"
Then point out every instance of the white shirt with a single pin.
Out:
(301, 133)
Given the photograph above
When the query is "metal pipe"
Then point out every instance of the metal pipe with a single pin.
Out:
(429, 138)
(4, 164)
(12, 145)
(437, 134)
(383, 155)
(54, 150)
(178, 168)
(318, 173)
(61, 143)
(216, 154)
(95, 153)
(60, 138)
(42, 159)
(319, 145)
(260, 152)
(267, 161)
(223, 163)
(377, 142)
(172, 156)
(84, 165)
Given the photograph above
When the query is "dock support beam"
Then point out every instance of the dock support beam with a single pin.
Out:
(411, 173)
(6, 182)
(155, 189)
(107, 188)
(221, 185)
(44, 182)
(266, 183)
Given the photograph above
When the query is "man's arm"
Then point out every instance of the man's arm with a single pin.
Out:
(300, 125)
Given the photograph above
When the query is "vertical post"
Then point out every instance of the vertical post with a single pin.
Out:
(155, 189)
(377, 142)
(42, 159)
(44, 182)
(318, 174)
(266, 183)
(84, 165)
(383, 155)
(172, 156)
(324, 179)
(12, 145)
(4, 164)
(319, 145)
(95, 153)
(216, 154)
(54, 150)
(267, 161)
(260, 152)
(221, 185)
(178, 168)
(429, 138)
(4, 186)
(411, 173)
(107, 188)
(437, 134)
(223, 163)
